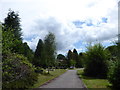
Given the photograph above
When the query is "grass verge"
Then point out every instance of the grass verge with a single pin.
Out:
(93, 82)
(45, 78)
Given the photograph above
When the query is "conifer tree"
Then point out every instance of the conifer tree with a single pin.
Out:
(13, 21)
(76, 58)
(39, 56)
(69, 57)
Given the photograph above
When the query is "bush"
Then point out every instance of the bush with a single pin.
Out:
(96, 61)
(39, 70)
(114, 73)
(17, 72)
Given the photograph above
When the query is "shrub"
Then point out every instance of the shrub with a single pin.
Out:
(96, 61)
(17, 72)
(114, 73)
(39, 70)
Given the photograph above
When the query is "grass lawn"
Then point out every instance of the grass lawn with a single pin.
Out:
(93, 82)
(44, 78)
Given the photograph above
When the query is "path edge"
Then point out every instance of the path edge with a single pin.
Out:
(49, 81)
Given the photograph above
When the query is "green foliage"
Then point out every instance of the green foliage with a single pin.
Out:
(13, 21)
(61, 61)
(82, 57)
(17, 72)
(114, 74)
(50, 49)
(69, 57)
(39, 56)
(74, 56)
(72, 62)
(7, 40)
(39, 70)
(114, 66)
(77, 59)
(10, 43)
(114, 69)
(27, 52)
(61, 57)
(96, 61)
(114, 51)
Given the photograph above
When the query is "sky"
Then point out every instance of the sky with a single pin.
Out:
(75, 23)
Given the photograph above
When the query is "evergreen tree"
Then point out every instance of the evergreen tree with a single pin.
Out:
(13, 21)
(39, 54)
(27, 52)
(69, 57)
(12, 24)
(61, 57)
(76, 58)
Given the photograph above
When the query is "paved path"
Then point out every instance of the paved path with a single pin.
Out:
(66, 80)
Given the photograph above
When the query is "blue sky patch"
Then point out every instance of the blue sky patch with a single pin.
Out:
(104, 20)
(78, 44)
(89, 24)
(78, 23)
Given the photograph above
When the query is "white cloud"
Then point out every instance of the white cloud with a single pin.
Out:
(40, 16)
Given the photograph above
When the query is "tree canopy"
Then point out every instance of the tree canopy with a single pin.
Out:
(13, 21)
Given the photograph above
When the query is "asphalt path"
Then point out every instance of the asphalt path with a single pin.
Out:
(67, 80)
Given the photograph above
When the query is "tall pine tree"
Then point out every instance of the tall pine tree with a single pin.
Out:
(27, 52)
(13, 21)
(39, 55)
(12, 24)
(69, 58)
(76, 58)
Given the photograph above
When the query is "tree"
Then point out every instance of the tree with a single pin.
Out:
(82, 57)
(50, 49)
(69, 57)
(113, 50)
(61, 59)
(76, 58)
(114, 70)
(114, 73)
(13, 21)
(72, 62)
(27, 52)
(12, 24)
(17, 71)
(96, 61)
(39, 55)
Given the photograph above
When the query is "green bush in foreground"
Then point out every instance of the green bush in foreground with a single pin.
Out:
(96, 61)
(114, 73)
(17, 72)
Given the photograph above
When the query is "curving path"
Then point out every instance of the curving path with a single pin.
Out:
(66, 80)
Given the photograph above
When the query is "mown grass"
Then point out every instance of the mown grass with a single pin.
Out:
(91, 82)
(42, 78)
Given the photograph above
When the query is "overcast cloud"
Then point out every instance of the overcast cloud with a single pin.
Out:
(74, 22)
